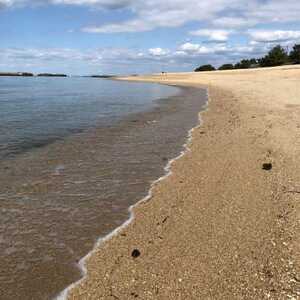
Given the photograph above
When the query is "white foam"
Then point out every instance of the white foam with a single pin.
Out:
(64, 294)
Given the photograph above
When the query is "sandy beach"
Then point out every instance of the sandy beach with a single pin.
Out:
(225, 223)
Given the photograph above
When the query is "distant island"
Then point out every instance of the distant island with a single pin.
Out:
(26, 74)
(102, 76)
(51, 75)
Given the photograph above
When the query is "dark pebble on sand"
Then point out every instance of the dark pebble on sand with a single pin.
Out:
(134, 295)
(267, 166)
(135, 253)
(165, 219)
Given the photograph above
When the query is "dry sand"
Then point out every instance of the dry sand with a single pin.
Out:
(220, 227)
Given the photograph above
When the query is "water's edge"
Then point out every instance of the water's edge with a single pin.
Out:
(167, 172)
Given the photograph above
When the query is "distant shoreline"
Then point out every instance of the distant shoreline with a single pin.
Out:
(16, 74)
(51, 75)
(27, 74)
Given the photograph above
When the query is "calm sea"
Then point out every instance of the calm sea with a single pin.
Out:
(75, 153)
(37, 111)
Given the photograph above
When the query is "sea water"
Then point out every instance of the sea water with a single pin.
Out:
(75, 153)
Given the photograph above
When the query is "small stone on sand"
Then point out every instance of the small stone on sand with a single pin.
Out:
(267, 166)
(135, 253)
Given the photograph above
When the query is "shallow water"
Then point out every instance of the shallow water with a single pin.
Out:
(56, 200)
(37, 111)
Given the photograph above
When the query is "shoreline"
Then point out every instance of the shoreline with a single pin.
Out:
(70, 192)
(219, 226)
(167, 170)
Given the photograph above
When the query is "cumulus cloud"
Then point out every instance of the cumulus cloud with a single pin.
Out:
(213, 34)
(219, 18)
(158, 51)
(194, 49)
(234, 22)
(151, 14)
(109, 4)
(47, 54)
(224, 50)
(131, 26)
(8, 3)
(122, 60)
(198, 49)
(273, 11)
(274, 36)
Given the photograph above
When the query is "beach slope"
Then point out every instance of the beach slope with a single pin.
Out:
(225, 223)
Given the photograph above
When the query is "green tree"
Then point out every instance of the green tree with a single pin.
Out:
(275, 57)
(226, 67)
(205, 68)
(243, 64)
(295, 54)
(253, 62)
(246, 63)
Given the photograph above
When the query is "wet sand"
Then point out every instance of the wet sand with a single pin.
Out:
(57, 200)
(225, 223)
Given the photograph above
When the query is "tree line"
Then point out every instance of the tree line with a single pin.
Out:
(277, 56)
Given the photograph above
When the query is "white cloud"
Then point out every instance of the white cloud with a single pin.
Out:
(189, 47)
(219, 18)
(234, 22)
(273, 10)
(213, 34)
(198, 49)
(4, 3)
(150, 14)
(122, 60)
(271, 36)
(158, 51)
(131, 26)
(224, 50)
(109, 4)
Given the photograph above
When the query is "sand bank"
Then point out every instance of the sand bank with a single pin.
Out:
(220, 226)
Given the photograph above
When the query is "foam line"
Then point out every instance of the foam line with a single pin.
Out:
(81, 264)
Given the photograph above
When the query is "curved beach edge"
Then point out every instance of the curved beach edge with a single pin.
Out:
(63, 295)
(225, 225)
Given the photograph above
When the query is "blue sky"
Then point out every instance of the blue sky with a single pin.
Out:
(140, 36)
